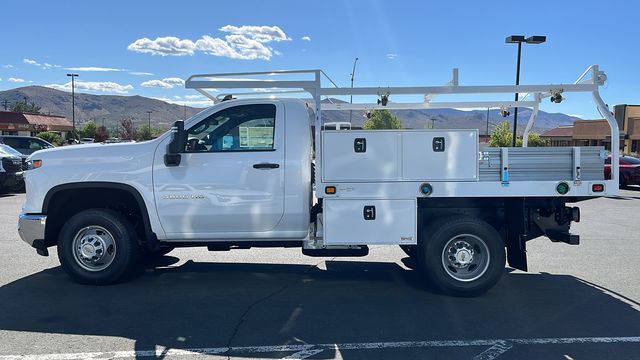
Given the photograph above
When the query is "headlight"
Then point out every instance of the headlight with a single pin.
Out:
(33, 164)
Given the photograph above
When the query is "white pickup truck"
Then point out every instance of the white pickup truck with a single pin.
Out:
(241, 174)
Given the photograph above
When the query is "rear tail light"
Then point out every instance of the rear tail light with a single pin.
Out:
(597, 188)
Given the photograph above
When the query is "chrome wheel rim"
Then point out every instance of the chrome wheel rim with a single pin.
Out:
(465, 257)
(94, 248)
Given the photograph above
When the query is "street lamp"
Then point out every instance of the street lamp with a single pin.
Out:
(519, 39)
(353, 75)
(73, 102)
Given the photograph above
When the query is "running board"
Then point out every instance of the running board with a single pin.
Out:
(338, 252)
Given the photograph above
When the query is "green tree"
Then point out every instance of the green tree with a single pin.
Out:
(382, 119)
(89, 130)
(23, 107)
(145, 133)
(501, 136)
(51, 137)
(536, 141)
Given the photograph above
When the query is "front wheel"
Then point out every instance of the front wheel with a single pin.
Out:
(97, 246)
(463, 256)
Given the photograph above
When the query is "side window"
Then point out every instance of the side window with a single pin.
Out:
(239, 128)
(35, 145)
(13, 142)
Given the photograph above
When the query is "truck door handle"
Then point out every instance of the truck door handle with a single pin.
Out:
(266, 166)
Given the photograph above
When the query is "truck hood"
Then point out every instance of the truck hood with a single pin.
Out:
(95, 153)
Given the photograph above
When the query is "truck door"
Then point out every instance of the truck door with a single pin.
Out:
(230, 181)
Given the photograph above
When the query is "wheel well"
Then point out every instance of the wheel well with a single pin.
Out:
(63, 203)
(490, 210)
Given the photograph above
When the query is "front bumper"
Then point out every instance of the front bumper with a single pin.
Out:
(10, 179)
(31, 230)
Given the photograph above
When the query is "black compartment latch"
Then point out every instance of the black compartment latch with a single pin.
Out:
(438, 144)
(369, 212)
(360, 145)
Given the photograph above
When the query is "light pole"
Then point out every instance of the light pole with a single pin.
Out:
(519, 39)
(149, 112)
(353, 75)
(487, 132)
(73, 102)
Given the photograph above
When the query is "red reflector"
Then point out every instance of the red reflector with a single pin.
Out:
(597, 187)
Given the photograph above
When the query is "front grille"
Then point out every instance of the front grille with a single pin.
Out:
(12, 165)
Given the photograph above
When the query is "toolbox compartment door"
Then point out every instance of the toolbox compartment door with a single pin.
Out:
(369, 222)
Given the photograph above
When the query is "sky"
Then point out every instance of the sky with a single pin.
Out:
(148, 48)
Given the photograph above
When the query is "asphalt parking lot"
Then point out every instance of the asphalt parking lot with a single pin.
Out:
(577, 302)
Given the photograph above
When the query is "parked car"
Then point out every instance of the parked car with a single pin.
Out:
(10, 171)
(629, 170)
(87, 141)
(26, 145)
(8, 149)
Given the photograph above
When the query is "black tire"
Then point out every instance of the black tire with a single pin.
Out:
(624, 183)
(99, 230)
(443, 247)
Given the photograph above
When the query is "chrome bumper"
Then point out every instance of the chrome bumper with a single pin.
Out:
(31, 228)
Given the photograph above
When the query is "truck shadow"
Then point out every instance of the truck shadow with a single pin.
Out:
(204, 305)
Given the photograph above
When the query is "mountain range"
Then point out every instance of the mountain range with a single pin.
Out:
(109, 109)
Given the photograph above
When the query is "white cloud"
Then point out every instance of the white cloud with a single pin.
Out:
(0, 79)
(157, 84)
(392, 56)
(163, 46)
(194, 103)
(92, 68)
(166, 83)
(7, 66)
(243, 42)
(16, 80)
(44, 66)
(105, 86)
(577, 115)
(306, 38)
(258, 33)
(192, 97)
(141, 73)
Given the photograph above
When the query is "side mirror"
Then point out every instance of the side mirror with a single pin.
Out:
(176, 145)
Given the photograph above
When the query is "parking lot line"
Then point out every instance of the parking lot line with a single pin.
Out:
(302, 351)
(494, 351)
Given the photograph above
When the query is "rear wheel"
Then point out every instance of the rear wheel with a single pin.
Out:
(624, 183)
(97, 246)
(463, 256)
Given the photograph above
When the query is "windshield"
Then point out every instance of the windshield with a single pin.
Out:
(8, 150)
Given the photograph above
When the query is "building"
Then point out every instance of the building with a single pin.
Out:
(560, 136)
(592, 133)
(598, 133)
(628, 118)
(12, 123)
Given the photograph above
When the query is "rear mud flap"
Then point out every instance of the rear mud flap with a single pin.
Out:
(516, 240)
